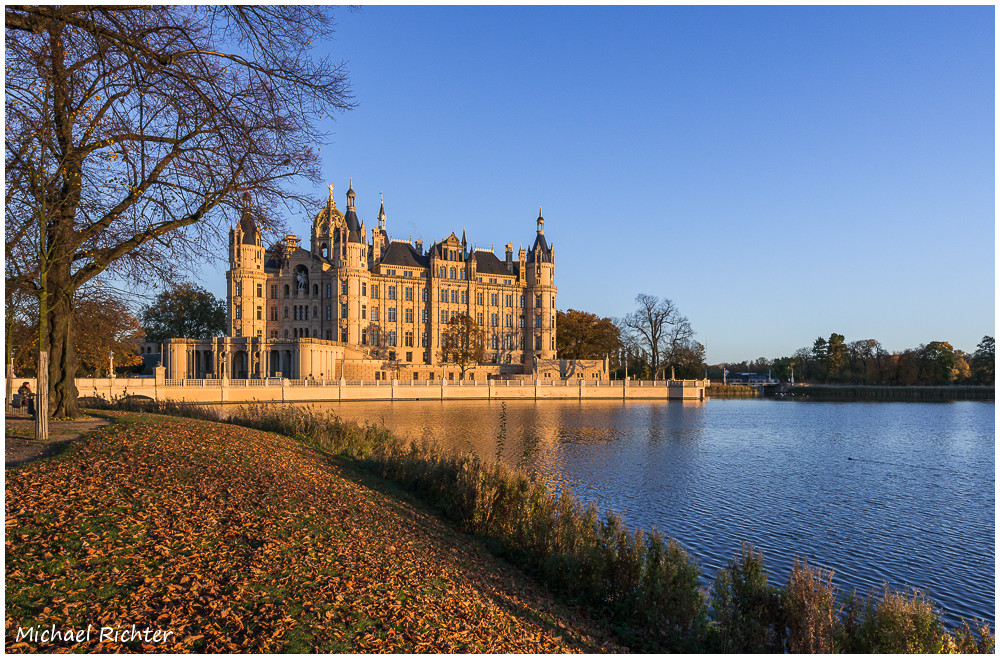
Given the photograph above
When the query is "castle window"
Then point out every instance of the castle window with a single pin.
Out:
(522, 301)
(274, 313)
(509, 300)
(286, 334)
(408, 294)
(343, 335)
(307, 313)
(451, 274)
(390, 314)
(364, 338)
(520, 322)
(274, 291)
(374, 314)
(444, 295)
(364, 288)
(423, 295)
(343, 287)
(408, 341)
(391, 339)
(444, 315)
(493, 343)
(454, 297)
(553, 301)
(260, 313)
(508, 321)
(295, 312)
(364, 311)
(343, 311)
(286, 291)
(409, 315)
(493, 320)
(328, 334)
(373, 337)
(453, 313)
(465, 297)
(538, 343)
(479, 318)
(538, 320)
(493, 299)
(329, 312)
(316, 290)
(442, 272)
(329, 291)
(391, 293)
(423, 339)
(479, 298)
(538, 300)
(260, 290)
(286, 312)
(461, 274)
(274, 334)
(423, 315)
(374, 291)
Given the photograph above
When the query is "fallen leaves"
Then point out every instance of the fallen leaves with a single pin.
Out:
(237, 540)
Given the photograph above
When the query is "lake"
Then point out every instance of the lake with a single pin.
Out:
(902, 493)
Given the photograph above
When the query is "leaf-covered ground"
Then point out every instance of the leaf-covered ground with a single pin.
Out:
(237, 540)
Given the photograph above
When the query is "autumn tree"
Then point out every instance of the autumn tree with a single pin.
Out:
(104, 324)
(463, 342)
(984, 361)
(184, 311)
(657, 329)
(133, 132)
(583, 335)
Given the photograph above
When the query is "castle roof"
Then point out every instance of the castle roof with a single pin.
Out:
(403, 254)
(487, 263)
(543, 250)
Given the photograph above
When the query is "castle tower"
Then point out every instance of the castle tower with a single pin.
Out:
(245, 278)
(327, 223)
(540, 298)
(352, 273)
(380, 239)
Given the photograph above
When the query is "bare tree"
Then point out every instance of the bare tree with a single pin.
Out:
(463, 342)
(133, 133)
(658, 329)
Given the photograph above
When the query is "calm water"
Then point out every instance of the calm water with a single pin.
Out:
(878, 492)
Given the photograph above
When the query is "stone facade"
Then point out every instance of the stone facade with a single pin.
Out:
(374, 305)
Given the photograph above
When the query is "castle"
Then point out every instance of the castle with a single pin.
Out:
(359, 309)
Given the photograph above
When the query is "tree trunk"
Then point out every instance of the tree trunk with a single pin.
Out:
(62, 356)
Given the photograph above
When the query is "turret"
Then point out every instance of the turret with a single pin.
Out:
(540, 303)
(245, 278)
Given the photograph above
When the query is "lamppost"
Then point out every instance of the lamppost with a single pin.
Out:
(111, 364)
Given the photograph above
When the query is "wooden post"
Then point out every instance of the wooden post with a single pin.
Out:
(10, 388)
(42, 397)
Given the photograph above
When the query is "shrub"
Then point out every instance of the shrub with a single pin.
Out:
(810, 608)
(894, 623)
(747, 608)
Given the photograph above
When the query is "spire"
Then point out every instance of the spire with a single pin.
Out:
(381, 211)
(350, 195)
(541, 221)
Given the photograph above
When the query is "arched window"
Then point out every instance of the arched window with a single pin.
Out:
(324, 251)
(286, 292)
(316, 289)
(451, 275)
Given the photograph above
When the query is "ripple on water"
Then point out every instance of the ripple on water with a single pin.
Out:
(901, 493)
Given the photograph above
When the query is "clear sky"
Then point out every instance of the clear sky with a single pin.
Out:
(780, 173)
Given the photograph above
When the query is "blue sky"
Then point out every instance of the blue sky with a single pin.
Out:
(780, 173)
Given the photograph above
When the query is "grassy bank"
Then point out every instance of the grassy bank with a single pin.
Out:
(237, 540)
(830, 392)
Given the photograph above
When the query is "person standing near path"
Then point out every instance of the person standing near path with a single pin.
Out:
(27, 398)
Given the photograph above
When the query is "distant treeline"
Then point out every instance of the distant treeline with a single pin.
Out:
(835, 361)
